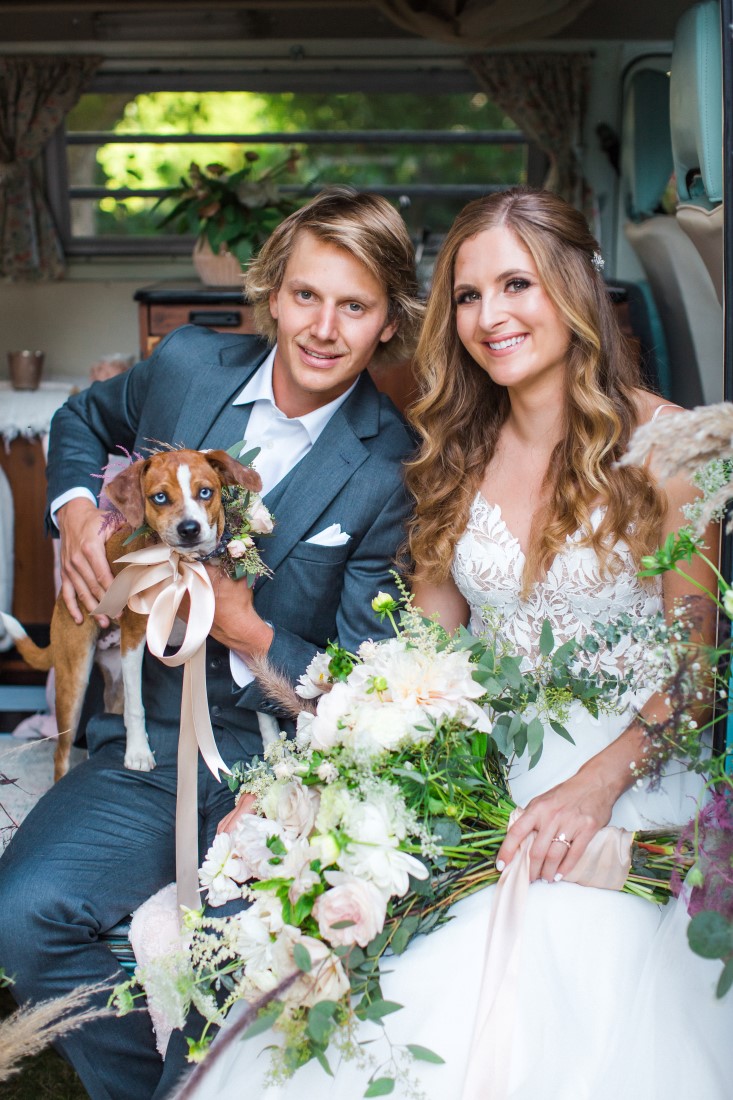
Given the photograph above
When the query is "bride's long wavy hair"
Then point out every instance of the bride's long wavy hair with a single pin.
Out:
(459, 411)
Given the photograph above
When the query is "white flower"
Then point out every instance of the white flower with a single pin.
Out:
(327, 772)
(237, 548)
(249, 839)
(297, 866)
(326, 980)
(373, 852)
(303, 726)
(316, 679)
(325, 848)
(259, 517)
(284, 769)
(350, 899)
(221, 867)
(292, 805)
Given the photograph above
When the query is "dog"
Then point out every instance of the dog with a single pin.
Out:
(177, 494)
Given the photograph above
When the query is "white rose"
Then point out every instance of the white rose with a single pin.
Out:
(260, 519)
(236, 548)
(292, 805)
(324, 847)
(297, 866)
(350, 899)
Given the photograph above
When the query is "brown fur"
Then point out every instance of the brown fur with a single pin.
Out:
(71, 652)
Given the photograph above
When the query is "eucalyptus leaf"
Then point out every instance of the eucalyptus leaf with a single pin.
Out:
(547, 639)
(424, 1054)
(381, 1086)
(301, 958)
(710, 934)
(726, 979)
(265, 1020)
(377, 1009)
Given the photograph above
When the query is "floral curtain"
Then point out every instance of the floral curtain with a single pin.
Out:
(35, 94)
(482, 24)
(545, 95)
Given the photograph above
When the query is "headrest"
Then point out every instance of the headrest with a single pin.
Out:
(646, 149)
(696, 104)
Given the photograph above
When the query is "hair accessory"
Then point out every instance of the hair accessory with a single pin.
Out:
(598, 262)
(561, 839)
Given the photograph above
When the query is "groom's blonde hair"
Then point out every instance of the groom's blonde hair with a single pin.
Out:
(368, 228)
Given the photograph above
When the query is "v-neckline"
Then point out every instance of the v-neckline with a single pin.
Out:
(496, 508)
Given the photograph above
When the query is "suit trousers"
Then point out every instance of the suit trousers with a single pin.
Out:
(99, 843)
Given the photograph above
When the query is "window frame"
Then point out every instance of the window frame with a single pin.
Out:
(60, 193)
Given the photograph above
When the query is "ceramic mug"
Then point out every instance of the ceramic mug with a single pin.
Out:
(25, 369)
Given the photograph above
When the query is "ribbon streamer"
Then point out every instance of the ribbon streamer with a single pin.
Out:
(154, 582)
(605, 864)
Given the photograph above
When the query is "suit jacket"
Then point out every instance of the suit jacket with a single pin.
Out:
(183, 395)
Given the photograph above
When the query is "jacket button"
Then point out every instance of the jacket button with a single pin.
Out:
(215, 710)
(215, 663)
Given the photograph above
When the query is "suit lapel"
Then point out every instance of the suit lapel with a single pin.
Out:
(309, 489)
(207, 418)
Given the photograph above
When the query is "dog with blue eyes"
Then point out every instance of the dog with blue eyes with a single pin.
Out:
(174, 497)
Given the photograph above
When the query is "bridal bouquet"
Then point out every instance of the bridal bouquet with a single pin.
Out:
(388, 807)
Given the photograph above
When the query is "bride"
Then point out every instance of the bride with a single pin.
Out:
(528, 397)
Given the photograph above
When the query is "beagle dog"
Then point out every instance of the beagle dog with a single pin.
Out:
(177, 495)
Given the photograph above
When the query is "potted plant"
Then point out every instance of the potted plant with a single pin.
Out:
(230, 213)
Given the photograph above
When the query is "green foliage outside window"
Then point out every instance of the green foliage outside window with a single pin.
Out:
(148, 165)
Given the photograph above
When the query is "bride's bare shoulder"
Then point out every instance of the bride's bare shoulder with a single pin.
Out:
(649, 406)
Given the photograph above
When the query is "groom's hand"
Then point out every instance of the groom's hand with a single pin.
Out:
(236, 623)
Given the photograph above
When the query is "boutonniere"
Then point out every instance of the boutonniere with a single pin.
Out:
(246, 517)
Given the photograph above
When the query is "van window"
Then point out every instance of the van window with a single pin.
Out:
(120, 154)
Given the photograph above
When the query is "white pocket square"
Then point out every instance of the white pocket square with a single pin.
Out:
(330, 536)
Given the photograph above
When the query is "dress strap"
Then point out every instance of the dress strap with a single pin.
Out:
(659, 409)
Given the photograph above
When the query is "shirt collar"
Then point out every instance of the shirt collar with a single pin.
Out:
(259, 388)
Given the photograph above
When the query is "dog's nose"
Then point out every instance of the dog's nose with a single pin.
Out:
(189, 529)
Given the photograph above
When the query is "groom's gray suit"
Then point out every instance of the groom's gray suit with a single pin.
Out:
(101, 841)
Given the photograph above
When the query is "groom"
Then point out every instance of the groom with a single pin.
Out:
(333, 290)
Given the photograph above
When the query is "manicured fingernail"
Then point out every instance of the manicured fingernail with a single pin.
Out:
(500, 864)
(558, 877)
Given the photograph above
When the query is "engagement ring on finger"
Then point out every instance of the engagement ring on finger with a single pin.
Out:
(561, 839)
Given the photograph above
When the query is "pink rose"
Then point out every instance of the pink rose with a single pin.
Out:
(350, 899)
(260, 519)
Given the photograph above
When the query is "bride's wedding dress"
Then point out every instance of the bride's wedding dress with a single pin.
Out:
(612, 1004)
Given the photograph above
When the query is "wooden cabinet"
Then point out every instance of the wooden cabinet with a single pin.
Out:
(33, 589)
(164, 306)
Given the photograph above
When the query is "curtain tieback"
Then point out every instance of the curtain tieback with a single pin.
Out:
(12, 170)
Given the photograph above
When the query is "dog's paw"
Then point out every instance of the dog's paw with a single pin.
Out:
(139, 760)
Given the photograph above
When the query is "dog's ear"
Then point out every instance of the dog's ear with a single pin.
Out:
(126, 492)
(232, 472)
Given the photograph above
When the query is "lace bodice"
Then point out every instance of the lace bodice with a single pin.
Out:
(487, 568)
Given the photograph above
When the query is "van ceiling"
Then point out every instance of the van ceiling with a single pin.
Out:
(97, 21)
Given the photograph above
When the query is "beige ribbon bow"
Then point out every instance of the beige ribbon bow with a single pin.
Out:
(154, 583)
(605, 864)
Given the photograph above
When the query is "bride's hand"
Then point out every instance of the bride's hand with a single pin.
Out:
(565, 820)
(244, 806)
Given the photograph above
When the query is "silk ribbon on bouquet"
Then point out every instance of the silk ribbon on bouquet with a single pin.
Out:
(605, 864)
(154, 583)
